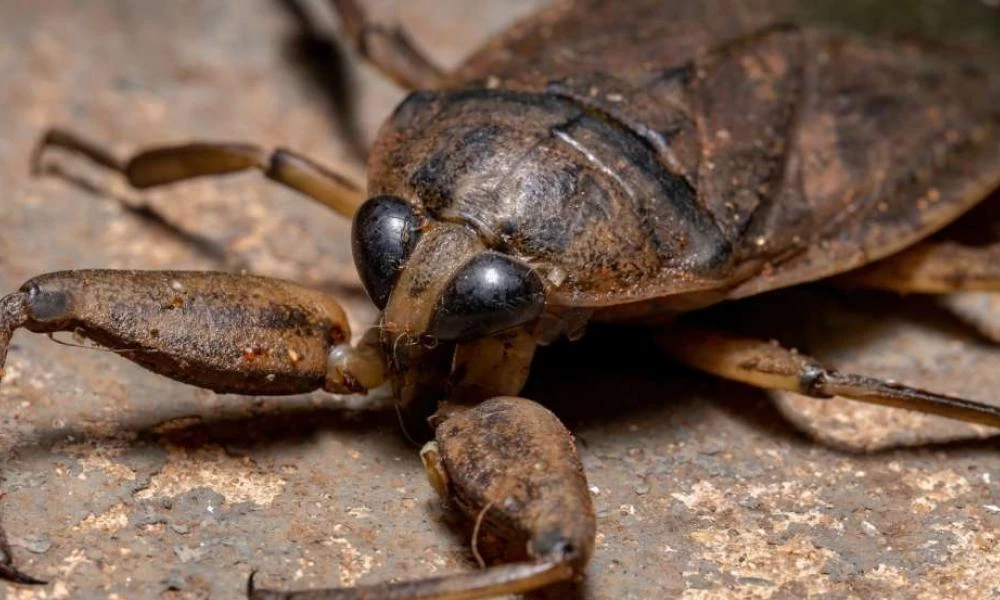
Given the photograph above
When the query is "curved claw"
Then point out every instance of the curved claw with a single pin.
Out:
(60, 138)
(9, 573)
(488, 583)
(7, 570)
(250, 583)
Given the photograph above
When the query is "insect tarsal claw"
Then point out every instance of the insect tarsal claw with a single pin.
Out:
(7, 570)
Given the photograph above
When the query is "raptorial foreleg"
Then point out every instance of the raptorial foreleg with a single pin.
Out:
(225, 332)
(509, 464)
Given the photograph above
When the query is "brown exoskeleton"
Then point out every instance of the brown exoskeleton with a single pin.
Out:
(634, 174)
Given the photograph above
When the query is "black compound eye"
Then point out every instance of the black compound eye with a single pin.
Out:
(384, 233)
(490, 293)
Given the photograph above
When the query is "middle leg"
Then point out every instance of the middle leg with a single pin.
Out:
(169, 164)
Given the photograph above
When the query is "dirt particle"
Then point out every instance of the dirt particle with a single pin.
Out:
(111, 520)
(237, 479)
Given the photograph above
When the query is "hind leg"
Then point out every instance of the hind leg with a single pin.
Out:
(769, 366)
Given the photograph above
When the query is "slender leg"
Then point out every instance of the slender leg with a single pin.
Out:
(933, 267)
(389, 49)
(160, 166)
(324, 61)
(770, 366)
(510, 464)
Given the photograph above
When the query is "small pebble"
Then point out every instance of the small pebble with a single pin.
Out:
(710, 449)
(869, 529)
(174, 583)
(180, 528)
(188, 554)
(32, 544)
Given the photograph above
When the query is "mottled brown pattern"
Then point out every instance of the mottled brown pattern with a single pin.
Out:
(735, 148)
(514, 461)
(225, 332)
(764, 145)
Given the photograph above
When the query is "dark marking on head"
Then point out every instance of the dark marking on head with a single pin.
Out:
(435, 180)
(682, 74)
(416, 108)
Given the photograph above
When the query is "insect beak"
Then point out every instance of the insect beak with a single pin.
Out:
(419, 368)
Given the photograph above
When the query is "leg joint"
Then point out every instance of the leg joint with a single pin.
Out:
(812, 380)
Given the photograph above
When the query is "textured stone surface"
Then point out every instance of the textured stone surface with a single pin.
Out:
(120, 484)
